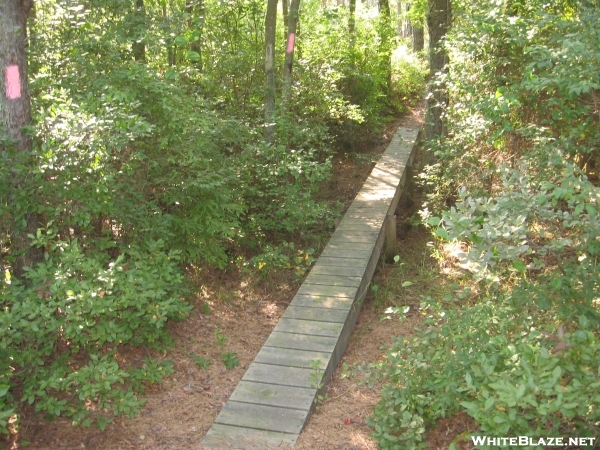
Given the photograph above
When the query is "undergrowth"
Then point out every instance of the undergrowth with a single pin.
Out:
(512, 203)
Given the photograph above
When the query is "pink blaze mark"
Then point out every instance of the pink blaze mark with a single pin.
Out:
(13, 82)
(290, 47)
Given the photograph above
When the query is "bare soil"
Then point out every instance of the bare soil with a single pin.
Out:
(238, 310)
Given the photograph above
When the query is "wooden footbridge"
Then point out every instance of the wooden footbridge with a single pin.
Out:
(274, 399)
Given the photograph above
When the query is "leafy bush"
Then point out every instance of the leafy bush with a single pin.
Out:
(409, 72)
(62, 333)
(513, 373)
(518, 169)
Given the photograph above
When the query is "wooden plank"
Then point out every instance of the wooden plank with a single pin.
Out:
(346, 253)
(331, 329)
(292, 358)
(374, 186)
(358, 225)
(374, 195)
(342, 262)
(338, 243)
(368, 204)
(333, 280)
(301, 342)
(236, 438)
(385, 178)
(343, 340)
(262, 417)
(328, 291)
(314, 313)
(320, 301)
(341, 244)
(322, 269)
(365, 215)
(390, 238)
(352, 236)
(274, 395)
(282, 375)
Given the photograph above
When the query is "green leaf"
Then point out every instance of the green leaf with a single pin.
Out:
(556, 373)
(193, 56)
(499, 419)
(407, 284)
(171, 74)
(591, 210)
(442, 233)
(489, 403)
(434, 221)
(517, 264)
(181, 41)
(581, 335)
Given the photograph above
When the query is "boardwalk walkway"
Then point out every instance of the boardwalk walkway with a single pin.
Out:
(273, 400)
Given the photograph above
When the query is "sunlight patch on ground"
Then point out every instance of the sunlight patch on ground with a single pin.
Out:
(362, 440)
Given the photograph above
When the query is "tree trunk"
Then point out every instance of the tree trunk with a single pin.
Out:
(399, 15)
(289, 52)
(139, 46)
(407, 29)
(169, 40)
(438, 22)
(418, 37)
(384, 10)
(284, 7)
(385, 36)
(270, 29)
(15, 114)
(352, 18)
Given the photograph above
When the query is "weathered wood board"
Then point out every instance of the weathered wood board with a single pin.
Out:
(273, 401)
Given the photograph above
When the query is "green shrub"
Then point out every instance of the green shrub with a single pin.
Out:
(61, 333)
(517, 171)
(514, 373)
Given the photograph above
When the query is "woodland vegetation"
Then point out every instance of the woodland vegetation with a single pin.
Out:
(145, 140)
(171, 134)
(513, 200)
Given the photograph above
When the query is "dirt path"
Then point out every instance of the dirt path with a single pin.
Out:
(235, 312)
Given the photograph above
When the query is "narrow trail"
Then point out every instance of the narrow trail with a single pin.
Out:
(340, 422)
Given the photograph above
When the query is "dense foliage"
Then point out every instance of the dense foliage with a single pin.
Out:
(519, 171)
(148, 154)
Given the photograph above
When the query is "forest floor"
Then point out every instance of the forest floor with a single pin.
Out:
(236, 311)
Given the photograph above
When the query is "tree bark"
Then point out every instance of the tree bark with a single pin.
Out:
(438, 22)
(270, 29)
(289, 51)
(284, 7)
(418, 37)
(385, 36)
(407, 29)
(15, 114)
(169, 40)
(352, 18)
